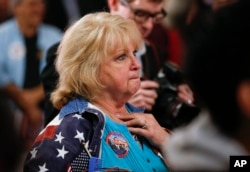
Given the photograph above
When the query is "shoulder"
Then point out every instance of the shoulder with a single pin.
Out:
(205, 142)
(61, 141)
(8, 26)
(8, 23)
(10, 35)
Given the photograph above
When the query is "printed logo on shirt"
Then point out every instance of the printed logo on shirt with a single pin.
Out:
(118, 144)
(16, 50)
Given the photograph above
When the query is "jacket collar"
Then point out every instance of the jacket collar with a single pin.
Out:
(79, 105)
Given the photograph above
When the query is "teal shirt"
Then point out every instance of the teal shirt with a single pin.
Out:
(130, 155)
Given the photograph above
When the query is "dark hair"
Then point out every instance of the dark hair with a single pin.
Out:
(219, 62)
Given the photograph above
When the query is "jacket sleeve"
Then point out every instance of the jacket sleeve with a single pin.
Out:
(59, 147)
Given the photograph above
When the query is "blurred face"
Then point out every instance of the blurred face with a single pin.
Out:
(30, 12)
(120, 73)
(144, 12)
(116, 141)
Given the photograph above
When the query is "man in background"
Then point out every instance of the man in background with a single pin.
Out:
(23, 45)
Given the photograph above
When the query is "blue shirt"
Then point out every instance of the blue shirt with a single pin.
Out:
(13, 51)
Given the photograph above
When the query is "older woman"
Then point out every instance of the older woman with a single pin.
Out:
(98, 74)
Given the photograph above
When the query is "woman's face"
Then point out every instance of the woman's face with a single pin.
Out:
(120, 73)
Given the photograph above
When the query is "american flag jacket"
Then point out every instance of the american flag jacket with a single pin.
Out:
(69, 140)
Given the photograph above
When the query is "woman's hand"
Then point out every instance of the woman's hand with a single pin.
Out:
(146, 125)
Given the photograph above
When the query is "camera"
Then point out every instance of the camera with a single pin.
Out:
(170, 111)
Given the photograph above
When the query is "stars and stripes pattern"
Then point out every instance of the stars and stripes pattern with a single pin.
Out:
(59, 146)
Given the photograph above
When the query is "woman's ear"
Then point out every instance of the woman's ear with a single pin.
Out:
(112, 4)
(243, 97)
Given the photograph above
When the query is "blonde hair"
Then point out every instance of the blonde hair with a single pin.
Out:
(82, 50)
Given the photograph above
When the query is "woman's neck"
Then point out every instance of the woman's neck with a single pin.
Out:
(112, 109)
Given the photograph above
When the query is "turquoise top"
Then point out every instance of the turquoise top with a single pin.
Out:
(129, 154)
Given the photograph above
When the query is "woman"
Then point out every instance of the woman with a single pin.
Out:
(98, 74)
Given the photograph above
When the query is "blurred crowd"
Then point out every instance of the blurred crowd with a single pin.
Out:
(30, 28)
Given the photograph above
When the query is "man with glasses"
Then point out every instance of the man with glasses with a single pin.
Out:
(145, 13)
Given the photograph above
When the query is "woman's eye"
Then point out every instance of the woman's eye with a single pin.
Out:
(124, 56)
(121, 57)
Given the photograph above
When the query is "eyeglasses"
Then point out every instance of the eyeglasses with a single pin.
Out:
(141, 16)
